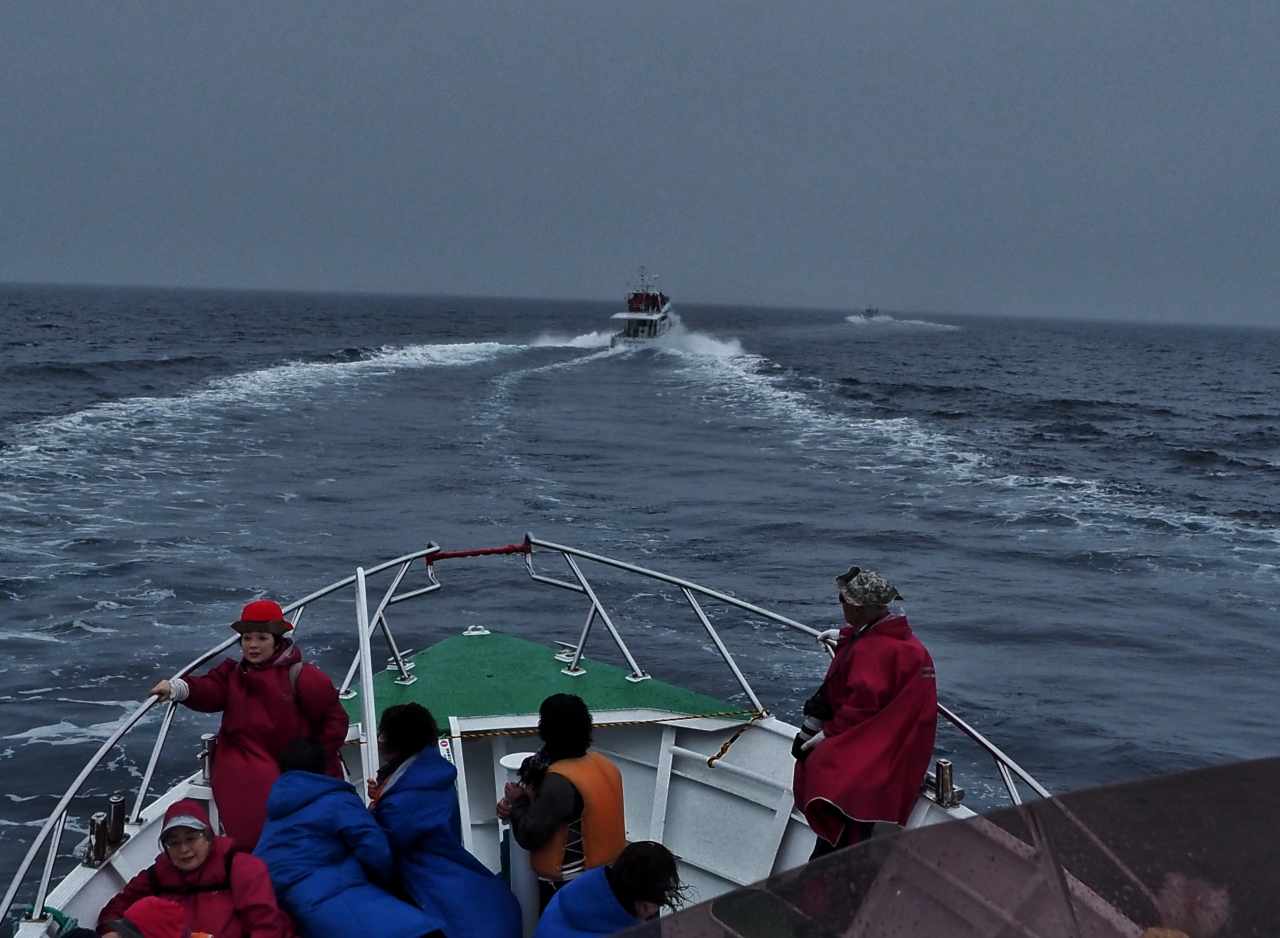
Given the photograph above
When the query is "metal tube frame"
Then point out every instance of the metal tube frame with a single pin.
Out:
(724, 652)
(57, 818)
(369, 740)
(550, 581)
(47, 873)
(1001, 759)
(136, 814)
(379, 620)
(1003, 762)
(673, 580)
(1008, 783)
(637, 673)
(573, 657)
(52, 829)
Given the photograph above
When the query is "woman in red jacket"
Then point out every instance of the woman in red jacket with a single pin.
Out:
(268, 698)
(868, 732)
(223, 891)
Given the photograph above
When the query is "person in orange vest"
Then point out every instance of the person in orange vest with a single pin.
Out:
(567, 809)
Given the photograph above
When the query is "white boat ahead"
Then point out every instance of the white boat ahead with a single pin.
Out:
(647, 316)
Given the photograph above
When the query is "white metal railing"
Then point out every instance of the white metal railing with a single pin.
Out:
(1004, 765)
(51, 831)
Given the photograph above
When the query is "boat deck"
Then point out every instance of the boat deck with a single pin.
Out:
(469, 676)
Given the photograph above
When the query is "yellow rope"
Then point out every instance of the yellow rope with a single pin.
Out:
(711, 762)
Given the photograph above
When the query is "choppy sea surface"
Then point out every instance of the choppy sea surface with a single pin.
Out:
(1083, 517)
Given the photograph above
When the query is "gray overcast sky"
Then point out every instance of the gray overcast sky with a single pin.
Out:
(1075, 158)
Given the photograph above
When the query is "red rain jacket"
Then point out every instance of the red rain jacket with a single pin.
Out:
(261, 714)
(884, 701)
(228, 896)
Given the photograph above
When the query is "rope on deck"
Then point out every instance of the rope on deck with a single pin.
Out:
(728, 743)
(523, 548)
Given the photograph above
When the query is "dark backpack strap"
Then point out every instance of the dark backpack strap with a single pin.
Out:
(295, 672)
(231, 856)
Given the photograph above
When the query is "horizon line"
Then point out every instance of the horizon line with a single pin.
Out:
(803, 308)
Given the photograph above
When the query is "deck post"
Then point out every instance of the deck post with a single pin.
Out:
(724, 651)
(369, 715)
(379, 619)
(637, 673)
(520, 876)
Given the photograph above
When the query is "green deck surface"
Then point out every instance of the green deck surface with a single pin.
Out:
(491, 675)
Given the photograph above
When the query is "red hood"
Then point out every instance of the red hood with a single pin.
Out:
(158, 918)
(191, 808)
(214, 869)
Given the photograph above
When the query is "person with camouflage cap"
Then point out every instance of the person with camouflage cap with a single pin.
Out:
(867, 737)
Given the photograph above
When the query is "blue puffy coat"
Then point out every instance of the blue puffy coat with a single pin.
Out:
(418, 808)
(322, 847)
(584, 908)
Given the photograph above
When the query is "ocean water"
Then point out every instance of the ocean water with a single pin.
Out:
(1083, 517)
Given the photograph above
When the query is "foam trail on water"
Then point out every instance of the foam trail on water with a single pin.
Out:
(66, 733)
(107, 460)
(137, 418)
(885, 321)
(596, 339)
(682, 339)
(756, 383)
(1093, 502)
(20, 636)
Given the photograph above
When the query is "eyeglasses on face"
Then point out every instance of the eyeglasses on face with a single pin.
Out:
(174, 841)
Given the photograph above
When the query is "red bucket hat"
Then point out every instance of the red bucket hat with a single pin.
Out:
(157, 918)
(262, 615)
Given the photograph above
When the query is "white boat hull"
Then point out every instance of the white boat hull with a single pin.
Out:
(730, 824)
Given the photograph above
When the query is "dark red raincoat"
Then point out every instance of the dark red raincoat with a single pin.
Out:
(228, 896)
(884, 703)
(262, 712)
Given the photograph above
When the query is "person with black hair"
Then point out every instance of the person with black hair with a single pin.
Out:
(404, 731)
(417, 806)
(567, 809)
(633, 889)
(328, 859)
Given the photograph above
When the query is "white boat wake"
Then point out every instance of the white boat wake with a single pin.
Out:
(682, 339)
(596, 339)
(884, 320)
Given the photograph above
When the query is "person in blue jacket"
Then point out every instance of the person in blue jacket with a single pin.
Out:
(417, 806)
(327, 855)
(607, 899)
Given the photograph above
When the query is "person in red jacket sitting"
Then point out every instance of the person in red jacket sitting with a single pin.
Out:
(151, 917)
(267, 699)
(868, 732)
(222, 890)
